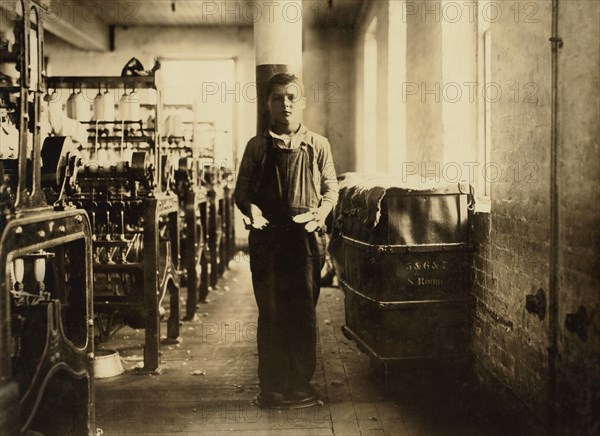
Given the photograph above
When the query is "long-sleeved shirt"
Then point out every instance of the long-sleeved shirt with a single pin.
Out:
(249, 171)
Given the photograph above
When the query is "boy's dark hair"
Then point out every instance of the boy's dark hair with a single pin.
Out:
(284, 79)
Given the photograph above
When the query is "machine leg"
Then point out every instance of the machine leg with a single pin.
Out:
(191, 259)
(204, 277)
(173, 321)
(151, 289)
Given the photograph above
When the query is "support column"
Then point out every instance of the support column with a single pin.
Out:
(278, 45)
(424, 135)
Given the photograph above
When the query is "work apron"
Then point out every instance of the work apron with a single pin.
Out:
(286, 262)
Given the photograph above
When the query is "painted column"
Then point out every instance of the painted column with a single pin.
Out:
(278, 45)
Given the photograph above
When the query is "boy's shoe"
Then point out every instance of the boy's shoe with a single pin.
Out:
(269, 399)
(296, 399)
(303, 397)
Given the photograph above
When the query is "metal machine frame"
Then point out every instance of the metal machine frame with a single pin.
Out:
(194, 212)
(134, 192)
(46, 334)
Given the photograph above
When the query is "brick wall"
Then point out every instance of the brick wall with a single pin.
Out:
(512, 244)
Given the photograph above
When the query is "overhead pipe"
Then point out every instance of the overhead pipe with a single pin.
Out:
(556, 43)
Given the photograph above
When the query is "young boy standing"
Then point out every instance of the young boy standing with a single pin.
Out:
(285, 172)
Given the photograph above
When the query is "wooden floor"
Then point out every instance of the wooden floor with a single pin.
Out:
(207, 381)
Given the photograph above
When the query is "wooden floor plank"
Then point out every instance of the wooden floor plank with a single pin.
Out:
(221, 341)
(343, 415)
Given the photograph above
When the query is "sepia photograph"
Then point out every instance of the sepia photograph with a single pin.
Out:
(300, 217)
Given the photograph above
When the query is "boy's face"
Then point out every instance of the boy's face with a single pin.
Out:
(286, 104)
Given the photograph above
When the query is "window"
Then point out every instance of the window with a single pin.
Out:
(457, 93)
(484, 68)
(203, 92)
(369, 141)
(396, 122)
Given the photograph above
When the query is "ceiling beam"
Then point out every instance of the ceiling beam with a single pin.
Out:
(78, 25)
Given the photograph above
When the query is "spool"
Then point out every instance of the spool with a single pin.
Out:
(104, 107)
(108, 106)
(123, 110)
(134, 106)
(71, 105)
(168, 126)
(81, 108)
(98, 107)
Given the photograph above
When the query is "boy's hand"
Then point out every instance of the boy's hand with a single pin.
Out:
(258, 220)
(304, 218)
(315, 219)
(322, 212)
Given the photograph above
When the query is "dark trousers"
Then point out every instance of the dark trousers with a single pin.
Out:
(286, 266)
